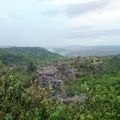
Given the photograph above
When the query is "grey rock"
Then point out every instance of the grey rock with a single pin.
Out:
(49, 77)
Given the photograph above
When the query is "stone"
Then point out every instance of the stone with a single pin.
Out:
(49, 77)
(71, 74)
(67, 70)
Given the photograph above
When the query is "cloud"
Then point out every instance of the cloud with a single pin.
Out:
(51, 12)
(76, 9)
(44, 22)
(93, 33)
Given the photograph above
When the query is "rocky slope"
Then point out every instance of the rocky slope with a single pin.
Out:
(54, 76)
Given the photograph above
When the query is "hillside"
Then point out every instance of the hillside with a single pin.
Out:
(24, 55)
(82, 88)
(87, 50)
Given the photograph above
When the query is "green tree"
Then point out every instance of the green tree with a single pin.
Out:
(31, 67)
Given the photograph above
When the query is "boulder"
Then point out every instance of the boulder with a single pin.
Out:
(49, 77)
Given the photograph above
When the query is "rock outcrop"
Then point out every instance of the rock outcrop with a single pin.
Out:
(67, 71)
(81, 98)
(49, 77)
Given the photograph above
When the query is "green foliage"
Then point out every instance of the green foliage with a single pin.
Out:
(74, 87)
(102, 102)
(24, 55)
(9, 117)
(20, 99)
(59, 114)
(31, 67)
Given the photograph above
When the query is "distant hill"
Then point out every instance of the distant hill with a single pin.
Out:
(24, 55)
(86, 50)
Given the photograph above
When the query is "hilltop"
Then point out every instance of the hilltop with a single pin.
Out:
(24, 55)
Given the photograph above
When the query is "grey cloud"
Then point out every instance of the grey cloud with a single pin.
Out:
(84, 27)
(75, 9)
(51, 12)
(94, 33)
(82, 8)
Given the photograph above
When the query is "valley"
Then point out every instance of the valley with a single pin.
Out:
(85, 51)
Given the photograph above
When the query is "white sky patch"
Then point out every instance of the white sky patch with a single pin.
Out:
(45, 23)
(91, 42)
(64, 2)
(108, 18)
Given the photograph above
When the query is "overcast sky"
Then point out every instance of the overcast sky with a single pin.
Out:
(59, 22)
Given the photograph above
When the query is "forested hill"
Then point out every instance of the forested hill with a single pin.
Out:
(23, 55)
(82, 88)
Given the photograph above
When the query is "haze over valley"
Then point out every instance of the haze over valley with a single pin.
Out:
(86, 50)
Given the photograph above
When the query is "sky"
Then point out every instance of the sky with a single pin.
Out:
(50, 23)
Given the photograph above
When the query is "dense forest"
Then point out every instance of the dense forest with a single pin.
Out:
(23, 55)
(39, 85)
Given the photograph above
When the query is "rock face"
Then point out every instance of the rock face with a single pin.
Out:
(49, 77)
(71, 74)
(67, 70)
(63, 65)
(81, 98)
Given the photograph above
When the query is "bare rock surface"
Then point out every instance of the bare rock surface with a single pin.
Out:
(67, 70)
(52, 77)
(78, 98)
(49, 77)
